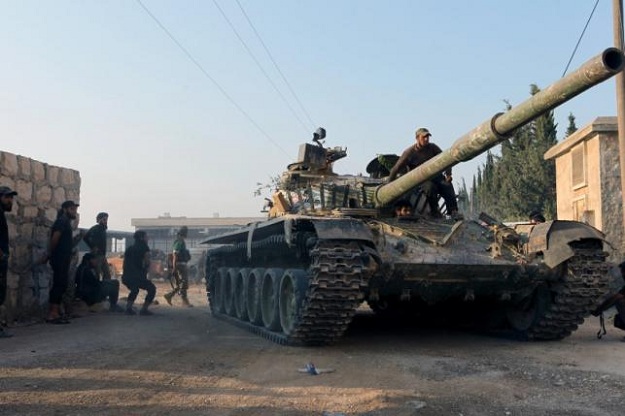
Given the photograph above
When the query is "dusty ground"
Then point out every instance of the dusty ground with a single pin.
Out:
(182, 361)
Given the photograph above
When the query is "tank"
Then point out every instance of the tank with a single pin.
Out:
(331, 243)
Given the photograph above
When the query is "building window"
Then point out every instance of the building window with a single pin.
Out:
(578, 166)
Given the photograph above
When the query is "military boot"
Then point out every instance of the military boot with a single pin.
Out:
(185, 302)
(168, 297)
(116, 308)
(129, 309)
(144, 310)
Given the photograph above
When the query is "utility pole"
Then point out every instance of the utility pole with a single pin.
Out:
(617, 6)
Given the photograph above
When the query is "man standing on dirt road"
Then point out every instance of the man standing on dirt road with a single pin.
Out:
(6, 205)
(180, 273)
(60, 256)
(70, 294)
(96, 240)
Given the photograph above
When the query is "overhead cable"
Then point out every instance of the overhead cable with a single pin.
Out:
(276, 65)
(260, 66)
(219, 87)
(580, 39)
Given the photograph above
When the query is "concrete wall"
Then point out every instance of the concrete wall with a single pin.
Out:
(41, 188)
(611, 200)
(600, 196)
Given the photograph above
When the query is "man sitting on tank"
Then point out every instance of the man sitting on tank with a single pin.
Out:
(441, 184)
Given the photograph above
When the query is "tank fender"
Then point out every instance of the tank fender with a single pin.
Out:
(552, 238)
(250, 237)
(342, 229)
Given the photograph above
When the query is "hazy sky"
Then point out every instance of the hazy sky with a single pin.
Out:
(99, 87)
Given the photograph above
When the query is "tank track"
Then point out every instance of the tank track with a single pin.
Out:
(337, 274)
(585, 281)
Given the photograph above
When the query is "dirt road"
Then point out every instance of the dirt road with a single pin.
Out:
(182, 361)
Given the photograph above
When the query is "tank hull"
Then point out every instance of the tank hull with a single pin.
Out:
(295, 285)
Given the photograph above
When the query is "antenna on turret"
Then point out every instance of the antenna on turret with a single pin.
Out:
(319, 135)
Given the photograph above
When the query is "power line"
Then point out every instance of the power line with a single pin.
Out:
(260, 66)
(219, 87)
(276, 65)
(580, 38)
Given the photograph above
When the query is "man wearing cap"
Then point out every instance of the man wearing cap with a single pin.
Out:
(70, 294)
(59, 255)
(418, 154)
(6, 205)
(96, 240)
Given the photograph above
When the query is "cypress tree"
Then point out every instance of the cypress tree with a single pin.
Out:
(520, 180)
(572, 128)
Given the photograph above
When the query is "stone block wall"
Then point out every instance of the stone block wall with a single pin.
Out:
(41, 189)
(611, 199)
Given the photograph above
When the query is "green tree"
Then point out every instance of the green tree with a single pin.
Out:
(572, 128)
(473, 200)
(487, 191)
(464, 202)
(520, 180)
(544, 186)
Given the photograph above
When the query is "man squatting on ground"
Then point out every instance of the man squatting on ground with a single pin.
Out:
(135, 275)
(92, 290)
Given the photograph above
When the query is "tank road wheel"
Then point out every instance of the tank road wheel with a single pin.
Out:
(525, 314)
(293, 287)
(269, 299)
(217, 288)
(252, 296)
(239, 294)
(227, 286)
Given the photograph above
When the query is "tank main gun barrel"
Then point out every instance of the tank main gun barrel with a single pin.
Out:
(502, 125)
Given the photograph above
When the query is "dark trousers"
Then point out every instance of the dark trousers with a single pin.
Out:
(4, 268)
(620, 307)
(60, 276)
(103, 267)
(439, 186)
(107, 289)
(135, 285)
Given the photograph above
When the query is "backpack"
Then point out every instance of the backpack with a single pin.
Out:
(185, 255)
